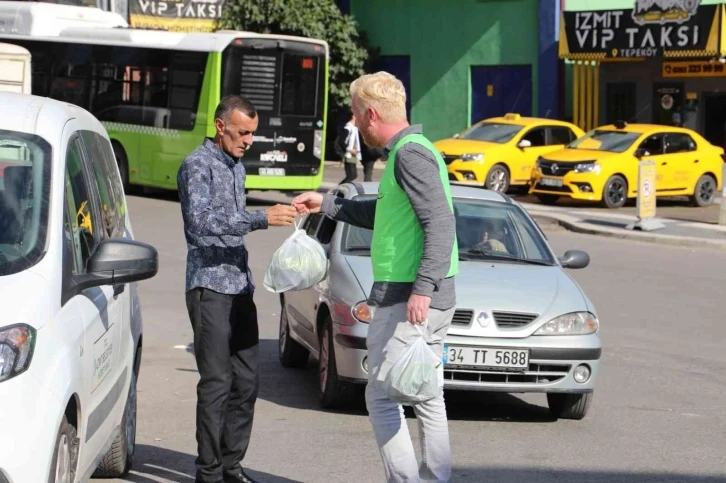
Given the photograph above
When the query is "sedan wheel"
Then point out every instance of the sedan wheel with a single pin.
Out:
(290, 352)
(705, 191)
(333, 392)
(569, 406)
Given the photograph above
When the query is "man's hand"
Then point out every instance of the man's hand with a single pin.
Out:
(309, 202)
(281, 215)
(418, 308)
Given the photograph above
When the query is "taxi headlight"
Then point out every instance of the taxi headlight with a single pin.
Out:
(576, 323)
(472, 157)
(16, 350)
(587, 168)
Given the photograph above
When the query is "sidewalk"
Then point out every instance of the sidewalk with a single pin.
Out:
(675, 232)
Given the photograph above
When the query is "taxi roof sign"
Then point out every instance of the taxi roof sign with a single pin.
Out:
(511, 116)
(620, 124)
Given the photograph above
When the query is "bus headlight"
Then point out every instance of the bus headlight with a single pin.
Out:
(318, 144)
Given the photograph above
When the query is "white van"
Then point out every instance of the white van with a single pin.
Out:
(14, 68)
(70, 324)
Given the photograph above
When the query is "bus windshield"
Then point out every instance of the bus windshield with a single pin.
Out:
(287, 87)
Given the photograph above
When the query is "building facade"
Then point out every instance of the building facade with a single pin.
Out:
(647, 61)
(467, 60)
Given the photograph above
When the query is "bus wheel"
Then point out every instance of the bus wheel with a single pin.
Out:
(123, 167)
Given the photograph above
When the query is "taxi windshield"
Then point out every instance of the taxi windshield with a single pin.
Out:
(492, 132)
(24, 193)
(485, 231)
(604, 140)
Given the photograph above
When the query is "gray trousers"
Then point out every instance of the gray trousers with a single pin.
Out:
(388, 334)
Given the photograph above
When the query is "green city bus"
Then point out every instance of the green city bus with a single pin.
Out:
(156, 92)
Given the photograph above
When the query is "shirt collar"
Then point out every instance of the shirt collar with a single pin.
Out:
(415, 129)
(219, 154)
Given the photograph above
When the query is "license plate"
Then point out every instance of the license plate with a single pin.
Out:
(551, 182)
(486, 357)
(272, 171)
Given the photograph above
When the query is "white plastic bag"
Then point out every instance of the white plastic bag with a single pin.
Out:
(298, 264)
(414, 378)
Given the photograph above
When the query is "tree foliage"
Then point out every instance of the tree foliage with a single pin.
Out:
(350, 52)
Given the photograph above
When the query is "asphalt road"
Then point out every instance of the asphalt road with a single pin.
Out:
(657, 416)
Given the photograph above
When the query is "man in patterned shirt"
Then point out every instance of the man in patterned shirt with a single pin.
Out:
(219, 289)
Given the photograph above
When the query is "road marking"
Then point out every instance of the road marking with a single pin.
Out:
(182, 347)
(173, 472)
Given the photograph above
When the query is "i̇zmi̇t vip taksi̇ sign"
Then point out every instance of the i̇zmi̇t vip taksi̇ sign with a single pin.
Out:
(652, 28)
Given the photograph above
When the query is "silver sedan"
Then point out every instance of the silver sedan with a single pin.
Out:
(522, 324)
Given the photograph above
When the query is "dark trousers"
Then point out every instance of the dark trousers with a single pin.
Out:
(351, 172)
(368, 170)
(226, 347)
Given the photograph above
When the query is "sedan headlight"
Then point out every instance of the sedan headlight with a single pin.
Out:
(16, 350)
(576, 323)
(362, 312)
(472, 157)
(587, 168)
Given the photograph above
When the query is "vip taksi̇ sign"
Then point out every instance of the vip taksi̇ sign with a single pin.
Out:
(649, 29)
(176, 15)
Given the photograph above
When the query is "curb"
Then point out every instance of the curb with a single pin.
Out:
(574, 225)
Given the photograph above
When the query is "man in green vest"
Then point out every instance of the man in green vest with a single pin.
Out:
(415, 259)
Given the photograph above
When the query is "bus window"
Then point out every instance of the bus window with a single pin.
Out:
(69, 76)
(299, 84)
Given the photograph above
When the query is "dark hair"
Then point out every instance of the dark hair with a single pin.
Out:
(234, 103)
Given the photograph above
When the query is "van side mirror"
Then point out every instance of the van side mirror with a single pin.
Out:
(118, 261)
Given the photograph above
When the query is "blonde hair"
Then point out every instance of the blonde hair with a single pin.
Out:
(384, 93)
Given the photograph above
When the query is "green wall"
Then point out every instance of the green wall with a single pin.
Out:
(443, 41)
(585, 5)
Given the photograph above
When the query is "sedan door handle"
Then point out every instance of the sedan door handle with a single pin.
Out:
(663, 163)
(696, 161)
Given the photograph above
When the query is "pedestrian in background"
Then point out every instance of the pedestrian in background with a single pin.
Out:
(352, 151)
(415, 259)
(369, 156)
(219, 289)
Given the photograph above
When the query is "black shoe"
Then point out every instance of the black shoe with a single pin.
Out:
(240, 477)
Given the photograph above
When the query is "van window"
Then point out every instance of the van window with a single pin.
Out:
(101, 158)
(80, 204)
(24, 198)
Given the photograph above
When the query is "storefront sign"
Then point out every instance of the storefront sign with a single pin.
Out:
(649, 29)
(176, 15)
(694, 69)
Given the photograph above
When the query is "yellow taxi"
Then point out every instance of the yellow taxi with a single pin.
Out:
(501, 152)
(602, 166)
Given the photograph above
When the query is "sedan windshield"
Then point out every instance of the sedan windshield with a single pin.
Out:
(492, 132)
(485, 230)
(24, 192)
(610, 141)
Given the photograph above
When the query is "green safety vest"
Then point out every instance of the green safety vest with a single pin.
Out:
(397, 245)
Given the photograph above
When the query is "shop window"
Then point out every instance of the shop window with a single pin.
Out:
(679, 143)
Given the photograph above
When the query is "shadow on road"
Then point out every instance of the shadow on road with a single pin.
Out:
(153, 464)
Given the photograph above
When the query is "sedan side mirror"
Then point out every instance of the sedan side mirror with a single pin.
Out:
(575, 259)
(118, 261)
(639, 153)
(524, 143)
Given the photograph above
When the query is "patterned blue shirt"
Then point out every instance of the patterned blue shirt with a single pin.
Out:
(212, 195)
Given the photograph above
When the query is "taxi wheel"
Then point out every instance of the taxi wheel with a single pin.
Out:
(290, 352)
(334, 393)
(705, 191)
(615, 193)
(548, 199)
(497, 179)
